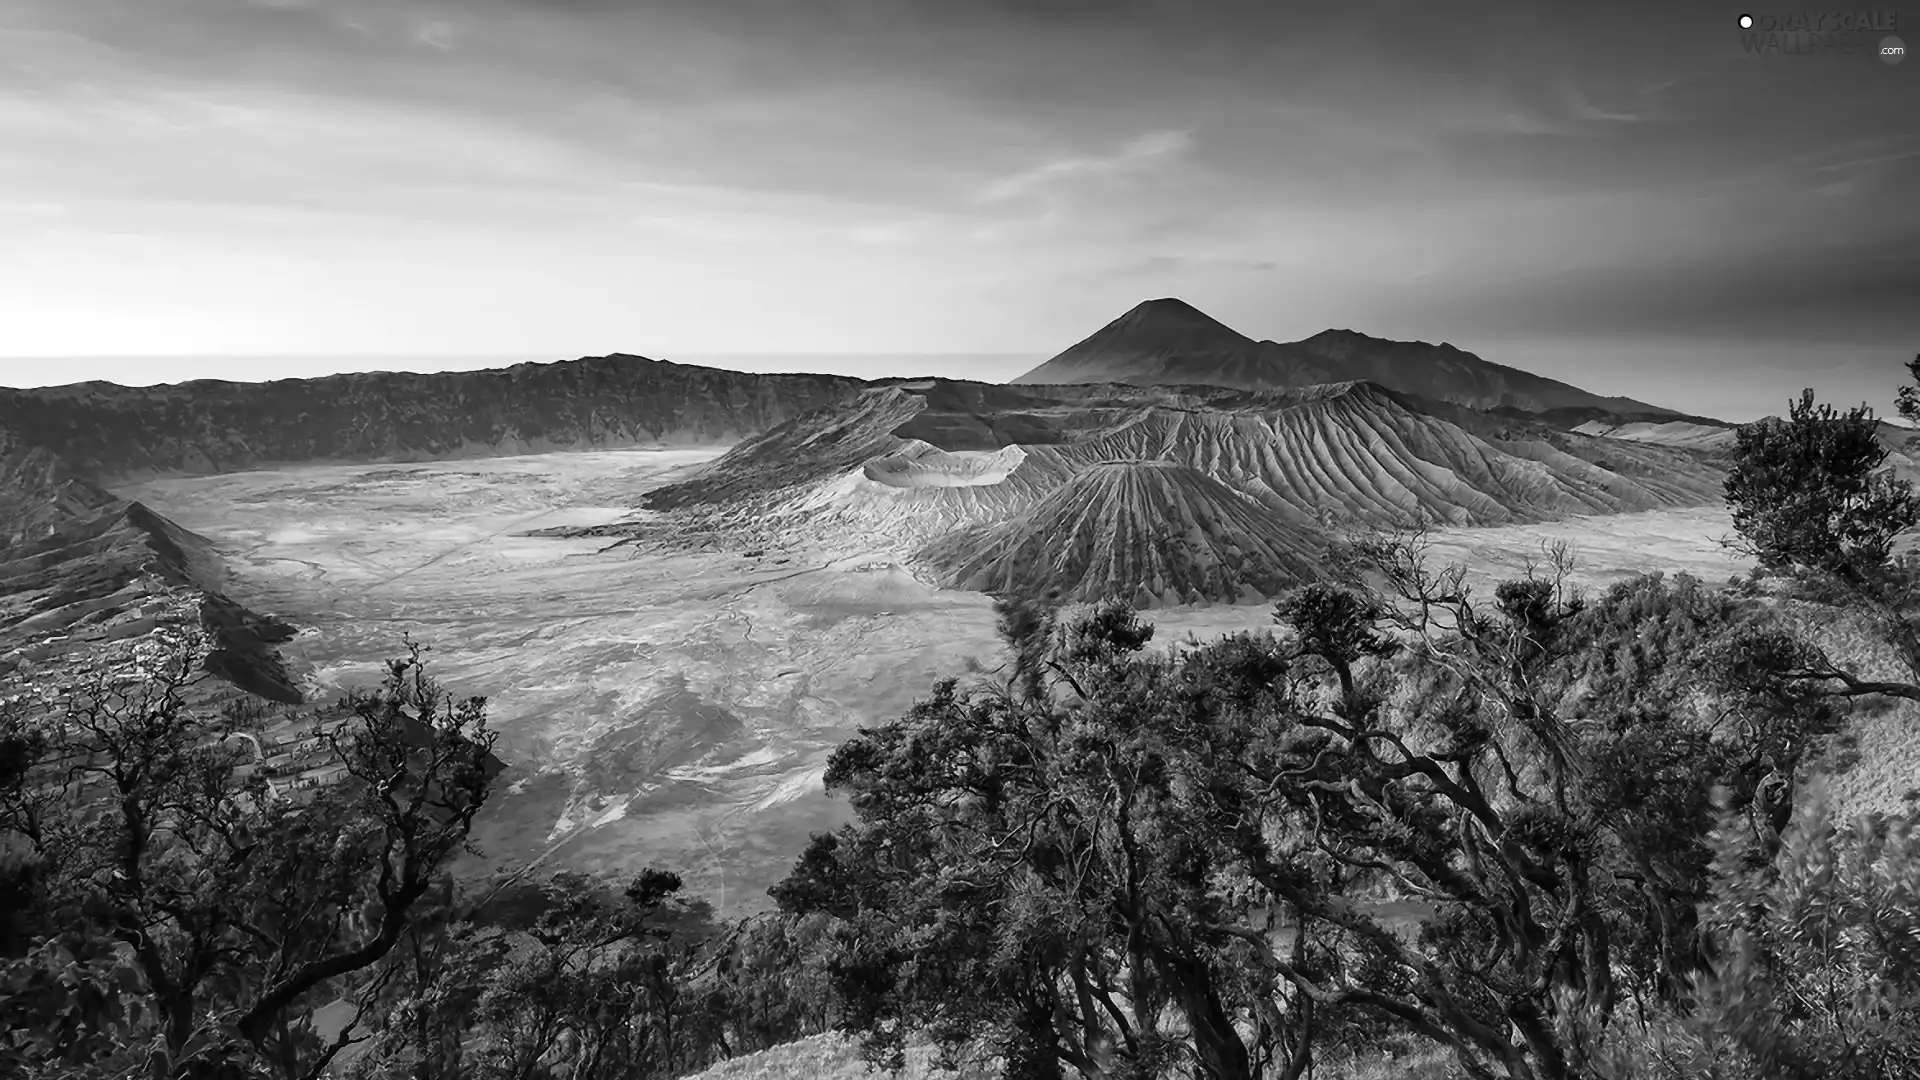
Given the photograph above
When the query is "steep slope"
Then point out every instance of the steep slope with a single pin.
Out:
(39, 494)
(1154, 532)
(1698, 433)
(97, 582)
(946, 414)
(814, 444)
(1355, 452)
(1663, 433)
(1903, 450)
(846, 480)
(105, 432)
(1445, 373)
(1168, 342)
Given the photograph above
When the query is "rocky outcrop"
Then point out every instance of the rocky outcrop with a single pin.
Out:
(115, 573)
(1168, 342)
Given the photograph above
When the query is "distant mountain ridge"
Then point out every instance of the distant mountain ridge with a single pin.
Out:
(1169, 342)
(105, 432)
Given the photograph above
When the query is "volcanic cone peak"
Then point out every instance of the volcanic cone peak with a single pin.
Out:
(1169, 315)
(1170, 343)
(1160, 342)
(1154, 532)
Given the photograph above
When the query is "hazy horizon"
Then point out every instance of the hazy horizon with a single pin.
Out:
(1769, 374)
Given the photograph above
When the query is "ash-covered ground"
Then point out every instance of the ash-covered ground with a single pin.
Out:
(673, 707)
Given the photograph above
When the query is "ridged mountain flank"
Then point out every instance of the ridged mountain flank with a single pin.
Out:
(903, 466)
(1157, 533)
(1168, 342)
(84, 573)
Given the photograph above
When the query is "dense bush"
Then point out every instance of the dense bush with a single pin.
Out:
(1404, 814)
(1817, 972)
(174, 921)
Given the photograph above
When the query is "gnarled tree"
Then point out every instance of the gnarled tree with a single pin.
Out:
(190, 922)
(1482, 825)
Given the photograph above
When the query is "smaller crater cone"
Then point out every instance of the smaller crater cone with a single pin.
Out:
(1154, 533)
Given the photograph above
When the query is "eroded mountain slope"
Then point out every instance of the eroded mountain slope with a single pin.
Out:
(1343, 453)
(1156, 533)
(98, 581)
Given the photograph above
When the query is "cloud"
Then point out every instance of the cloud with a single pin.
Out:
(1584, 109)
(923, 148)
(1143, 152)
(1863, 154)
(436, 34)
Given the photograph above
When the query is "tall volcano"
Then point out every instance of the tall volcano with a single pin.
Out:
(1168, 342)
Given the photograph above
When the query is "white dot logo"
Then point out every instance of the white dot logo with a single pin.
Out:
(1746, 22)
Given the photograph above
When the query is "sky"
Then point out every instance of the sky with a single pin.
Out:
(1617, 195)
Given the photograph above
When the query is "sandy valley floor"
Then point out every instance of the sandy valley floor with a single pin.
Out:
(669, 709)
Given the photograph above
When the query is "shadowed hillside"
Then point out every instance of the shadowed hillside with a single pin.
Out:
(107, 432)
(98, 574)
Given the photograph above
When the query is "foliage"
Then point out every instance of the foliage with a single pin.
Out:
(1198, 863)
(592, 986)
(184, 923)
(1812, 491)
(1811, 495)
(573, 978)
(1907, 398)
(771, 981)
(1818, 972)
(1025, 881)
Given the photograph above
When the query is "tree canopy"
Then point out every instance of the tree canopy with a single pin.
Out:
(1488, 826)
(179, 921)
